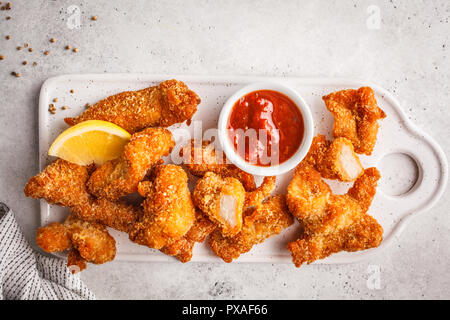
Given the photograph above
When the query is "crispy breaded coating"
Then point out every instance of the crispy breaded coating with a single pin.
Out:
(308, 195)
(64, 183)
(61, 183)
(260, 223)
(91, 240)
(356, 116)
(182, 248)
(360, 233)
(76, 262)
(202, 158)
(332, 223)
(257, 196)
(119, 177)
(222, 200)
(53, 238)
(168, 103)
(115, 214)
(365, 188)
(201, 228)
(334, 159)
(168, 209)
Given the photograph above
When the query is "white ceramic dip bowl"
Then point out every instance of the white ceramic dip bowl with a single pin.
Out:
(272, 170)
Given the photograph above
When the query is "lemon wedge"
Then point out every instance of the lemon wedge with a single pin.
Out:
(92, 141)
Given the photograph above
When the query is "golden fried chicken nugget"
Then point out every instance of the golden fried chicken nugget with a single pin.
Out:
(75, 262)
(53, 238)
(332, 223)
(260, 223)
(168, 209)
(308, 195)
(359, 233)
(334, 159)
(64, 183)
(222, 200)
(91, 241)
(365, 188)
(168, 103)
(119, 177)
(115, 214)
(182, 248)
(202, 158)
(356, 116)
(257, 196)
(61, 183)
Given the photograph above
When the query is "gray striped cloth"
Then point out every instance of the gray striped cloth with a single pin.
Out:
(26, 274)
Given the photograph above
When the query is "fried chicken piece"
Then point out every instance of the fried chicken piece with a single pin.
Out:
(54, 238)
(91, 241)
(332, 223)
(64, 183)
(75, 261)
(182, 248)
(168, 209)
(358, 233)
(356, 116)
(119, 177)
(257, 196)
(163, 105)
(260, 223)
(115, 214)
(334, 159)
(200, 159)
(308, 195)
(365, 188)
(222, 200)
(61, 183)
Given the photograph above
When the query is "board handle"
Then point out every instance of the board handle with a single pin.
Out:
(431, 179)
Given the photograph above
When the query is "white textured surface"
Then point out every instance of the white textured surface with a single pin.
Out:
(408, 55)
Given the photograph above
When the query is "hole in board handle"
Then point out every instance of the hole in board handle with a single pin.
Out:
(399, 174)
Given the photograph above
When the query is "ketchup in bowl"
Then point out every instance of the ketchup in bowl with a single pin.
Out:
(265, 127)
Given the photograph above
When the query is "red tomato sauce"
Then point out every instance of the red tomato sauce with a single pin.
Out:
(269, 113)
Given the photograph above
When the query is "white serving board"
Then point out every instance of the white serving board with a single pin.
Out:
(397, 137)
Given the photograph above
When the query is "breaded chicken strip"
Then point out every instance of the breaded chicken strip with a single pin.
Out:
(334, 159)
(168, 103)
(222, 200)
(121, 176)
(64, 183)
(202, 158)
(115, 214)
(89, 241)
(168, 209)
(332, 223)
(182, 248)
(260, 223)
(356, 116)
